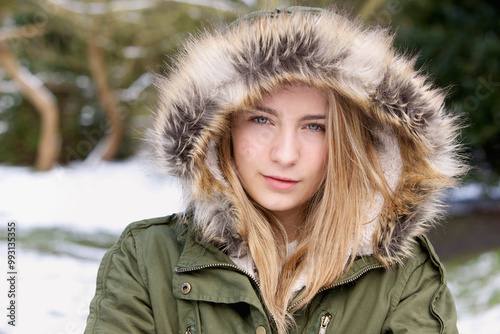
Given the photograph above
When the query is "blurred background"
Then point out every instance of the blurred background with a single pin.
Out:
(76, 95)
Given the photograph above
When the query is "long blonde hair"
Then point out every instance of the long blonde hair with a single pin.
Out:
(331, 223)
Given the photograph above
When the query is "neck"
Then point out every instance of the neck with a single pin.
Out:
(290, 221)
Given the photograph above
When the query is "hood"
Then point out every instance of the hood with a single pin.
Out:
(415, 134)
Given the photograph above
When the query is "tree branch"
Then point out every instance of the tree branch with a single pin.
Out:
(26, 31)
(45, 103)
(112, 141)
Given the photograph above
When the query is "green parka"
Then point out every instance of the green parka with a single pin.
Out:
(159, 279)
(170, 276)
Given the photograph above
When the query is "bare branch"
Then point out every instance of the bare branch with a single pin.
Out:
(45, 103)
(21, 32)
(107, 97)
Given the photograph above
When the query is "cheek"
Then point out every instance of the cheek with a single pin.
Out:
(244, 153)
(248, 144)
(243, 149)
(318, 158)
(324, 156)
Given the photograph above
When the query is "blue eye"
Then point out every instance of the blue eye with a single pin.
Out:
(315, 127)
(260, 120)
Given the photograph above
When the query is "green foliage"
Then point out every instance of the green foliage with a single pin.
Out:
(61, 241)
(18, 137)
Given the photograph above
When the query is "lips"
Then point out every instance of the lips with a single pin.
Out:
(280, 183)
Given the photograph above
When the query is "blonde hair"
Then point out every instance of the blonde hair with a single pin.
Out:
(331, 224)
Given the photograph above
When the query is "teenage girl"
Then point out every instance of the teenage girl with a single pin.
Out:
(312, 157)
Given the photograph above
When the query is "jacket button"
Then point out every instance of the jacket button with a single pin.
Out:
(185, 288)
(260, 330)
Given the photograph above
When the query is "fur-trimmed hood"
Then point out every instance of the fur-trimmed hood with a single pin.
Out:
(221, 70)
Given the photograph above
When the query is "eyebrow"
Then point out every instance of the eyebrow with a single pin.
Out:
(313, 117)
(266, 110)
(275, 113)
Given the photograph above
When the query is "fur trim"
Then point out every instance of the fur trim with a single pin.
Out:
(416, 135)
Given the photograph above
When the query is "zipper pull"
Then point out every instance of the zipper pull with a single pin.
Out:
(325, 320)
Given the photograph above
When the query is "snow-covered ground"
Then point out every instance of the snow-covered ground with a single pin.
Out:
(54, 290)
(106, 196)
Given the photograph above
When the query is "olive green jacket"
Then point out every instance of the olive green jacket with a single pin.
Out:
(158, 279)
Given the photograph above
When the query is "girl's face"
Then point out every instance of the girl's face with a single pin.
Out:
(280, 149)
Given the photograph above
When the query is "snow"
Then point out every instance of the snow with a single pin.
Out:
(107, 196)
(54, 291)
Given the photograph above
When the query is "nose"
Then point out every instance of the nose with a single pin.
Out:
(285, 148)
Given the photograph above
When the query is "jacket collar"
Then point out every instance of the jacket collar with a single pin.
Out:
(196, 256)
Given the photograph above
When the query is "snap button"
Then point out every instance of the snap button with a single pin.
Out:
(260, 330)
(185, 288)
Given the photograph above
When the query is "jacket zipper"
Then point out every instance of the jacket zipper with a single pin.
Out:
(325, 320)
(215, 265)
(374, 266)
(364, 271)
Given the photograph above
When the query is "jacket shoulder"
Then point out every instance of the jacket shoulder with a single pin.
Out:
(424, 255)
(424, 265)
(167, 227)
(421, 284)
(163, 237)
(139, 262)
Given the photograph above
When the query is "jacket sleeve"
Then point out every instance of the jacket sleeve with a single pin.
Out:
(422, 302)
(121, 303)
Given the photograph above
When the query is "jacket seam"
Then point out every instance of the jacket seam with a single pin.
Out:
(102, 285)
(432, 257)
(408, 269)
(437, 295)
(408, 272)
(139, 258)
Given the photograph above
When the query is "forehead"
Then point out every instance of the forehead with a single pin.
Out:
(294, 99)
